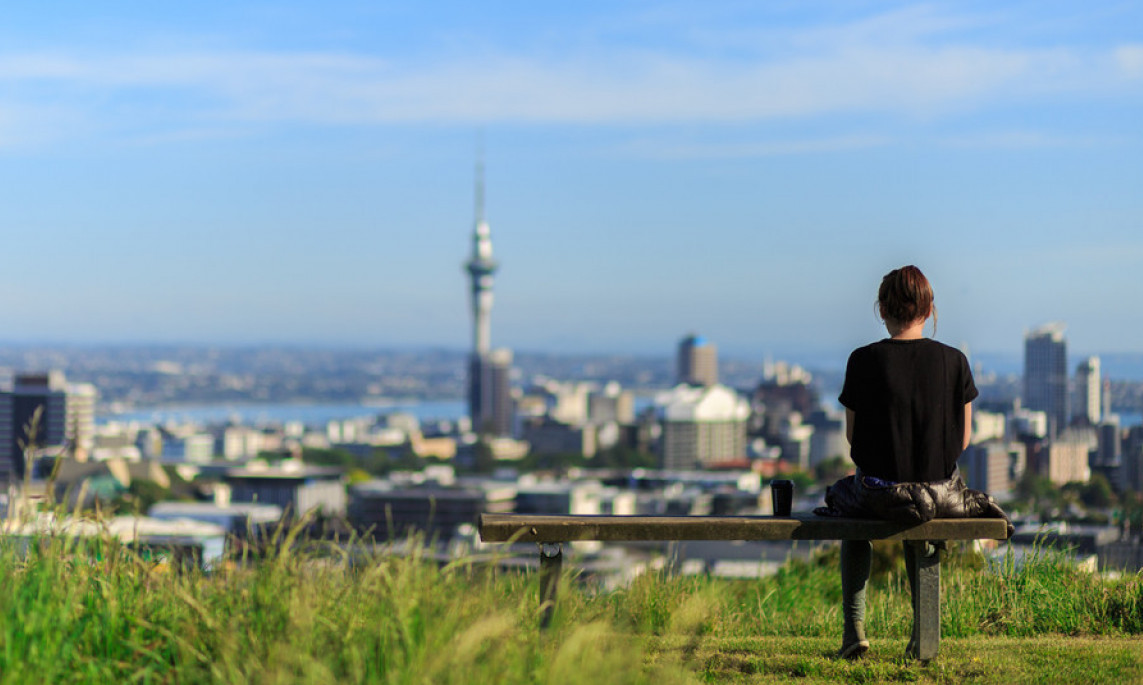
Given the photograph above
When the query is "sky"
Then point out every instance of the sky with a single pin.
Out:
(246, 172)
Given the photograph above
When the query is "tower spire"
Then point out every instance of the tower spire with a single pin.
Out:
(480, 267)
(479, 180)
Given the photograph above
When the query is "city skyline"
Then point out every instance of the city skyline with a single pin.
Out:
(255, 172)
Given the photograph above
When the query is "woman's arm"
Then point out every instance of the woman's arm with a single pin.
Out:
(967, 426)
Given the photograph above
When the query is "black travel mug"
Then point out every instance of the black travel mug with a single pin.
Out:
(782, 496)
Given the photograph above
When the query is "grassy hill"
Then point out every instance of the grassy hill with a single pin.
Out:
(76, 614)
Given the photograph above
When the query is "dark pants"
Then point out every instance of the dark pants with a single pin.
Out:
(856, 558)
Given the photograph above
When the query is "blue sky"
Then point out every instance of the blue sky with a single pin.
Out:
(245, 172)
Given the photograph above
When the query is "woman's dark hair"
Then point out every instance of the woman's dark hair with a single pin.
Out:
(905, 296)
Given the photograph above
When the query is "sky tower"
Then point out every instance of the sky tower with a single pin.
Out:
(480, 267)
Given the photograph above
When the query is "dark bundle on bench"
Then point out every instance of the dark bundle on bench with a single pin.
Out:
(551, 531)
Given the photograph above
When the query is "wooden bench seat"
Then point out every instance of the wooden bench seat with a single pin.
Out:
(549, 532)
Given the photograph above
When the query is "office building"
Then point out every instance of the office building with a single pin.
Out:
(1023, 423)
(236, 519)
(702, 426)
(611, 404)
(697, 361)
(186, 445)
(237, 442)
(583, 498)
(828, 439)
(1046, 374)
(498, 418)
(1109, 441)
(293, 486)
(1089, 392)
(569, 401)
(45, 414)
(384, 510)
(994, 466)
(1131, 469)
(491, 393)
(1067, 462)
(547, 437)
(987, 425)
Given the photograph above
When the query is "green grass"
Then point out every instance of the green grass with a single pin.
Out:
(1000, 660)
(70, 614)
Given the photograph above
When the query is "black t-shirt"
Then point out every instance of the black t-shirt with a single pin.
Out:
(908, 398)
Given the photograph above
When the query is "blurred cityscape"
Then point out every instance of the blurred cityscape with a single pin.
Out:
(199, 447)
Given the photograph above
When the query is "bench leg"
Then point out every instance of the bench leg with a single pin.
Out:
(551, 563)
(926, 587)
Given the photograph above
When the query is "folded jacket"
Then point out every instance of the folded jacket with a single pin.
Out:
(863, 496)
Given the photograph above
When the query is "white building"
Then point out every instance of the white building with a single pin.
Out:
(988, 425)
(79, 418)
(185, 444)
(240, 442)
(570, 402)
(702, 426)
(1025, 422)
(1068, 462)
(611, 404)
(1088, 392)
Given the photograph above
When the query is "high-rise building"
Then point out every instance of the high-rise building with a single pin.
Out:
(697, 361)
(1067, 462)
(497, 410)
(43, 411)
(79, 419)
(612, 403)
(702, 426)
(489, 402)
(1108, 455)
(1089, 392)
(1046, 374)
(1131, 471)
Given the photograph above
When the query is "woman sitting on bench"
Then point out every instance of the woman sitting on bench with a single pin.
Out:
(908, 417)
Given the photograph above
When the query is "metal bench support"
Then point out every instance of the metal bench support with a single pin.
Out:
(926, 585)
(551, 564)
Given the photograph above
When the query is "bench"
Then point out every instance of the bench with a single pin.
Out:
(550, 532)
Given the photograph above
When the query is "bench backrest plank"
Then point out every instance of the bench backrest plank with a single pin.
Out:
(537, 528)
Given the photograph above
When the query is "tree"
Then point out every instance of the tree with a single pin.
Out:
(833, 469)
(1036, 493)
(620, 457)
(356, 475)
(141, 495)
(1097, 493)
(483, 460)
(328, 457)
(551, 462)
(802, 480)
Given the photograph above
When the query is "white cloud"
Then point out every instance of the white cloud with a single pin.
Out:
(614, 88)
(899, 63)
(1018, 139)
(31, 125)
(1130, 59)
(660, 149)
